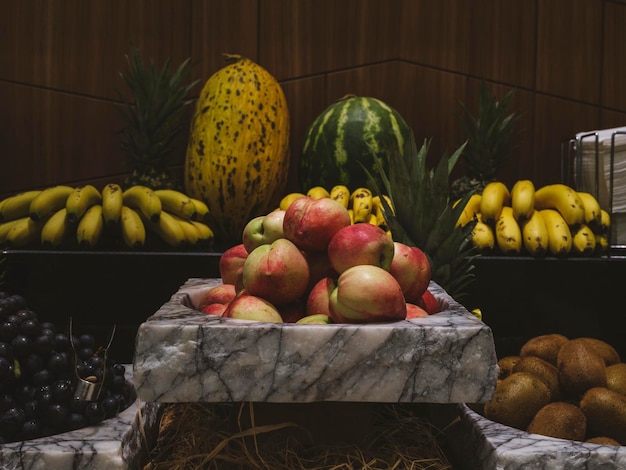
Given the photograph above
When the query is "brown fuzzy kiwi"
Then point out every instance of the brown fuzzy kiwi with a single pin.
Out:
(545, 371)
(559, 419)
(616, 377)
(580, 367)
(604, 350)
(606, 413)
(545, 347)
(506, 365)
(603, 441)
(517, 399)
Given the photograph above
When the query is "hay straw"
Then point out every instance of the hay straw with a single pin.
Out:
(211, 436)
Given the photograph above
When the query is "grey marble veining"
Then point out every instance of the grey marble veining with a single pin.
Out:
(183, 355)
(116, 443)
(489, 445)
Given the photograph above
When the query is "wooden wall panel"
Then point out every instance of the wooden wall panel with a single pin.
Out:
(569, 48)
(79, 47)
(614, 57)
(304, 37)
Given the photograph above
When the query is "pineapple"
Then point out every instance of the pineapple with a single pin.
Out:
(153, 119)
(424, 216)
(488, 141)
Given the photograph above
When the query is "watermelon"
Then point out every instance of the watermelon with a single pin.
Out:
(349, 133)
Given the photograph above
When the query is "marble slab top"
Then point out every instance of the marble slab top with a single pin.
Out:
(183, 355)
(488, 445)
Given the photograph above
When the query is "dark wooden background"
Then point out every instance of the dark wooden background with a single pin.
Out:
(60, 64)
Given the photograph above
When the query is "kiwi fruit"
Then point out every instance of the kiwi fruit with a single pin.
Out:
(517, 399)
(616, 377)
(545, 347)
(580, 367)
(561, 420)
(603, 441)
(604, 350)
(606, 413)
(505, 366)
(543, 370)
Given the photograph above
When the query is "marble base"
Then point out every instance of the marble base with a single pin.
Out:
(183, 355)
(116, 444)
(484, 444)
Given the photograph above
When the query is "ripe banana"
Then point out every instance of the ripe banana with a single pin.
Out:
(202, 210)
(144, 200)
(482, 237)
(206, 234)
(5, 227)
(362, 203)
(90, 227)
(508, 232)
(192, 235)
(380, 211)
(286, 201)
(177, 203)
(583, 240)
(341, 194)
(559, 233)
(494, 196)
(49, 201)
(523, 199)
(81, 199)
(23, 231)
(318, 192)
(535, 235)
(562, 198)
(351, 214)
(167, 229)
(605, 221)
(132, 228)
(16, 207)
(469, 211)
(112, 202)
(602, 243)
(593, 212)
(55, 229)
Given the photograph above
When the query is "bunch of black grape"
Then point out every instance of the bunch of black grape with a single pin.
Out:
(39, 370)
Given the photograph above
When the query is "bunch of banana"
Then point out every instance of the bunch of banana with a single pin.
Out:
(554, 219)
(85, 215)
(361, 203)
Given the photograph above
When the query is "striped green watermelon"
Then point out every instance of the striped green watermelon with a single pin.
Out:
(350, 132)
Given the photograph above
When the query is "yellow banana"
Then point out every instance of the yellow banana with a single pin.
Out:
(167, 229)
(482, 237)
(18, 206)
(192, 234)
(143, 199)
(206, 234)
(535, 235)
(562, 198)
(286, 201)
(24, 231)
(49, 201)
(469, 211)
(5, 227)
(362, 203)
(90, 227)
(494, 196)
(559, 233)
(351, 214)
(605, 221)
(508, 232)
(341, 194)
(132, 228)
(112, 202)
(176, 202)
(81, 199)
(602, 243)
(593, 212)
(318, 192)
(523, 199)
(379, 210)
(55, 229)
(583, 240)
(202, 210)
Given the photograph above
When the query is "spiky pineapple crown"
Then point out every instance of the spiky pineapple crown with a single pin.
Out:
(488, 134)
(423, 215)
(153, 114)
